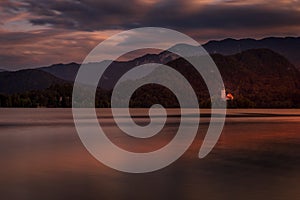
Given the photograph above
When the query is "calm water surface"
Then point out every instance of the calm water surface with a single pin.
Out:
(257, 157)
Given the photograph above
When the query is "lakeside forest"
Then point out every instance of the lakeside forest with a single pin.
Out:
(59, 96)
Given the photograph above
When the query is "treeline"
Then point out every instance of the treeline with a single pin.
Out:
(60, 96)
(54, 96)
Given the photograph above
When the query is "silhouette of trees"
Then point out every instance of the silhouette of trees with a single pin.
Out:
(60, 96)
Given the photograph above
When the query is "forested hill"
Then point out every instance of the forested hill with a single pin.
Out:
(257, 78)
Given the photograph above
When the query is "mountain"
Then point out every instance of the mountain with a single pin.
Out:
(287, 46)
(256, 78)
(63, 71)
(117, 68)
(26, 80)
(113, 73)
(260, 78)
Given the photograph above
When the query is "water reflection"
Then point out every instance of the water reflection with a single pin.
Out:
(257, 157)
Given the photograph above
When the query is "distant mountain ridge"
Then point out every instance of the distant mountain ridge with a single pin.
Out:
(26, 80)
(69, 71)
(256, 77)
(63, 71)
(44, 77)
(258, 72)
(286, 46)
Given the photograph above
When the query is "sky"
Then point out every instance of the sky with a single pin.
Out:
(36, 33)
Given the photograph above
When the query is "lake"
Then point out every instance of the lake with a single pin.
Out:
(256, 157)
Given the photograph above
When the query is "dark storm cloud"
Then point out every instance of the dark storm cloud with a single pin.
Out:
(84, 15)
(224, 17)
(90, 15)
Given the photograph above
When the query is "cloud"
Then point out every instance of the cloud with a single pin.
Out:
(45, 47)
(66, 30)
(86, 15)
(93, 15)
(227, 17)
